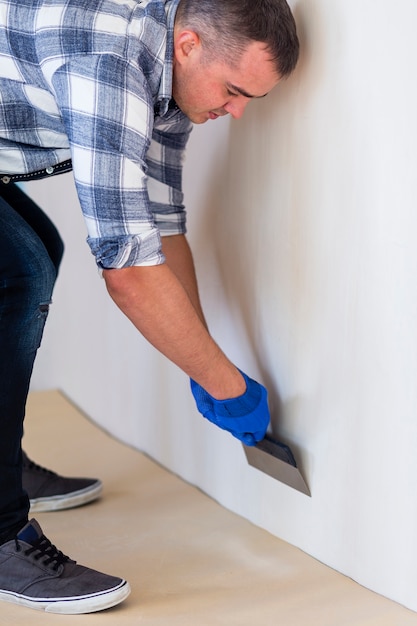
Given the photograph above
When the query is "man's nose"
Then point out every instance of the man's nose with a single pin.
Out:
(236, 107)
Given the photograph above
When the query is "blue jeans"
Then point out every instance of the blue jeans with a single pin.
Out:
(30, 253)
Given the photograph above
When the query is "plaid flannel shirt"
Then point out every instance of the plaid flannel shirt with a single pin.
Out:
(91, 80)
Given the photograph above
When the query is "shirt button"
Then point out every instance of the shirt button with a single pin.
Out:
(49, 170)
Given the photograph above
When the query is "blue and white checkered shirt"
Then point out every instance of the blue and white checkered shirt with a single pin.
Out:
(91, 80)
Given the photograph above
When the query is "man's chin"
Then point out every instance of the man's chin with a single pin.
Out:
(198, 118)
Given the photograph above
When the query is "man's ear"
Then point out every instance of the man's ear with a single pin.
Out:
(186, 44)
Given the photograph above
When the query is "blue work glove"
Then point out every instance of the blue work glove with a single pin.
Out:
(245, 417)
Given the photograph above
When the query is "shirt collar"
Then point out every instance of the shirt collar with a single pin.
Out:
(165, 87)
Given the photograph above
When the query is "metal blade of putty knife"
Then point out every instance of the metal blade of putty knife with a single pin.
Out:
(276, 459)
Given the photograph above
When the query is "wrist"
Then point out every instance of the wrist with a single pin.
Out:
(228, 387)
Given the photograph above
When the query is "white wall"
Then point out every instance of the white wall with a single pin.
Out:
(303, 225)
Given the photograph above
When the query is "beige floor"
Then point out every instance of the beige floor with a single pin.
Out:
(189, 561)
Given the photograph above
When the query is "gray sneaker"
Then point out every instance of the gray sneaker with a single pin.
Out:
(35, 574)
(48, 491)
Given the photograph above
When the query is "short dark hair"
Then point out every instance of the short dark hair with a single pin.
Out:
(225, 28)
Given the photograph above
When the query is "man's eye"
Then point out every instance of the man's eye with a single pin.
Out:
(231, 93)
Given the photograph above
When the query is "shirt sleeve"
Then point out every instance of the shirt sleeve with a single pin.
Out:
(107, 109)
(165, 162)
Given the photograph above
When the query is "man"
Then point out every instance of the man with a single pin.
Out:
(110, 89)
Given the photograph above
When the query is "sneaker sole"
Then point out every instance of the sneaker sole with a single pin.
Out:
(72, 606)
(67, 501)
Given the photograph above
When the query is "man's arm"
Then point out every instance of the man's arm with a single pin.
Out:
(179, 259)
(162, 302)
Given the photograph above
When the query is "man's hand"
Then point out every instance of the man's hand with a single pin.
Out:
(245, 417)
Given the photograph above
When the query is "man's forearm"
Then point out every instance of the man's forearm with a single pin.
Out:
(180, 260)
(157, 303)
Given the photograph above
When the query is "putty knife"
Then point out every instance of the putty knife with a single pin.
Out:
(276, 459)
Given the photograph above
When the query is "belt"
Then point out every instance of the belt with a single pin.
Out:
(61, 168)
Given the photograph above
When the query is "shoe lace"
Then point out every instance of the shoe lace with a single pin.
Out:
(31, 465)
(45, 550)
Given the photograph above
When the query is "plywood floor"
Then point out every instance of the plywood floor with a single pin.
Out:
(189, 561)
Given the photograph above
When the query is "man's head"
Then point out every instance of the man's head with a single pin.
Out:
(227, 52)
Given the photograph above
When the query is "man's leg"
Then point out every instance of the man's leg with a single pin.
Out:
(33, 572)
(27, 277)
(47, 490)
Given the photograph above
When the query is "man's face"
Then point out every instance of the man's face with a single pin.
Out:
(207, 90)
